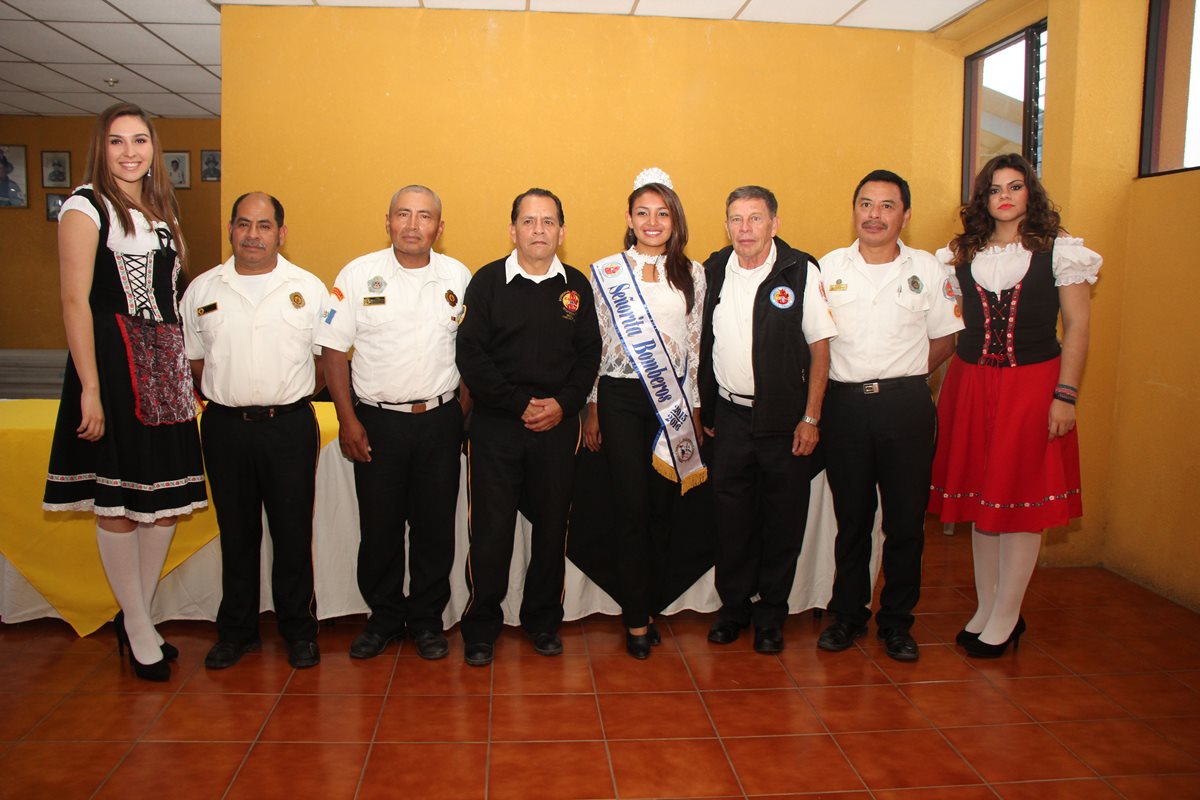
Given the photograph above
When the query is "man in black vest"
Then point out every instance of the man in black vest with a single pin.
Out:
(764, 363)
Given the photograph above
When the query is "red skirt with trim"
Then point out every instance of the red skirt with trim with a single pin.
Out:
(995, 465)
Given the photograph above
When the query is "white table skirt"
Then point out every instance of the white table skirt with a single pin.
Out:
(193, 590)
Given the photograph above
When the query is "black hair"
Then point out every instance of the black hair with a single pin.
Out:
(278, 208)
(535, 192)
(885, 176)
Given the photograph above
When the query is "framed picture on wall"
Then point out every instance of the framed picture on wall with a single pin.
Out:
(179, 168)
(14, 179)
(56, 169)
(210, 165)
(54, 203)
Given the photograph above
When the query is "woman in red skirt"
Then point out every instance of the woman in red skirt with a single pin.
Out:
(1008, 455)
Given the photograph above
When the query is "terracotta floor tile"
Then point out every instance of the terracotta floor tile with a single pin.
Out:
(1015, 753)
(1088, 656)
(608, 636)
(762, 712)
(100, 717)
(1029, 662)
(738, 670)
(323, 718)
(865, 708)
(288, 770)
(1149, 694)
(1122, 747)
(963, 703)
(212, 718)
(50, 671)
(565, 674)
(1183, 732)
(175, 770)
(255, 673)
(662, 672)
(1157, 787)
(549, 771)
(783, 764)
(905, 759)
(113, 674)
(654, 715)
(431, 718)
(692, 636)
(938, 662)
(514, 642)
(672, 768)
(1188, 678)
(1059, 698)
(425, 771)
(339, 674)
(418, 676)
(20, 711)
(942, 599)
(36, 769)
(545, 717)
(1167, 652)
(813, 667)
(943, 793)
(1094, 789)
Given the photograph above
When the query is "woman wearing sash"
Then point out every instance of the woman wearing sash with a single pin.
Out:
(1008, 456)
(643, 414)
(125, 444)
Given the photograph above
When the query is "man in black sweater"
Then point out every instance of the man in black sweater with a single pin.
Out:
(528, 351)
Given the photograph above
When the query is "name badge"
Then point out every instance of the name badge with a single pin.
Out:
(838, 286)
(202, 310)
(375, 301)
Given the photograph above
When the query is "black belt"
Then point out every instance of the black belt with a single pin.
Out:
(259, 413)
(875, 387)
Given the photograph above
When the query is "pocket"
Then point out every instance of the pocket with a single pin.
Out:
(378, 315)
(299, 334)
(209, 326)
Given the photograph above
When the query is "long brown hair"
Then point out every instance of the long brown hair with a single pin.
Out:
(158, 196)
(1041, 225)
(679, 266)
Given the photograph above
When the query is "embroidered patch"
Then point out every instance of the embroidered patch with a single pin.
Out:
(821, 286)
(376, 284)
(782, 297)
(338, 293)
(612, 269)
(684, 450)
(948, 289)
(202, 310)
(329, 316)
(570, 301)
(451, 298)
(958, 310)
(297, 300)
(914, 284)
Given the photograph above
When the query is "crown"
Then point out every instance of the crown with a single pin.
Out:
(652, 175)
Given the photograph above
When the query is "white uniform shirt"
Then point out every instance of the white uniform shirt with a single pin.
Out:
(733, 321)
(401, 323)
(886, 313)
(255, 353)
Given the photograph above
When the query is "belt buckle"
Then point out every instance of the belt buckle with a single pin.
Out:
(871, 388)
(418, 408)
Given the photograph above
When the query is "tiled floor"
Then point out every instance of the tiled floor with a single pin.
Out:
(1103, 700)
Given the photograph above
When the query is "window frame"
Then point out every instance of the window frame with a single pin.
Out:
(1156, 39)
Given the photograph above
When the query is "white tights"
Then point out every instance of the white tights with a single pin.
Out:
(132, 563)
(1004, 563)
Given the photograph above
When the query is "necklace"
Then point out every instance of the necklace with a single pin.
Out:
(641, 260)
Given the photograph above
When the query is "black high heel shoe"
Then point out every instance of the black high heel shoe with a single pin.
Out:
(978, 649)
(170, 652)
(962, 637)
(158, 671)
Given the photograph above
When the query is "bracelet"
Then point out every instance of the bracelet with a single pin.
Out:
(1066, 397)
(816, 423)
(1068, 387)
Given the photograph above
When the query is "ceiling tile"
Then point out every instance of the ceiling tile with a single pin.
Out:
(91, 102)
(7, 55)
(215, 70)
(163, 104)
(74, 10)
(493, 5)
(583, 6)
(702, 9)
(805, 12)
(5, 86)
(37, 42)
(122, 42)
(263, 2)
(13, 111)
(927, 15)
(212, 102)
(93, 75)
(179, 78)
(371, 3)
(174, 11)
(37, 104)
(10, 13)
(36, 78)
(201, 43)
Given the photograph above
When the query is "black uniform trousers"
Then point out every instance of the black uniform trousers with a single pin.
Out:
(267, 464)
(412, 478)
(640, 497)
(883, 440)
(510, 469)
(761, 492)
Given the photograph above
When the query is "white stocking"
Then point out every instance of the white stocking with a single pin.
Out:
(153, 543)
(985, 550)
(119, 554)
(1018, 557)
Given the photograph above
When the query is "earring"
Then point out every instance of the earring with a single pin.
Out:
(149, 172)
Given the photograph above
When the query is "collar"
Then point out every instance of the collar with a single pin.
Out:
(435, 270)
(283, 269)
(736, 268)
(512, 269)
(857, 259)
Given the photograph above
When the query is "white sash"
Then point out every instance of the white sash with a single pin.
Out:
(676, 453)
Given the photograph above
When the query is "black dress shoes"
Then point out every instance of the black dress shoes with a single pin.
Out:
(900, 645)
(768, 640)
(226, 654)
(724, 632)
(369, 645)
(840, 636)
(478, 654)
(547, 643)
(303, 653)
(431, 645)
(638, 645)
(652, 632)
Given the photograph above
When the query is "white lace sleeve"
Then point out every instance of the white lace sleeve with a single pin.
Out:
(607, 335)
(695, 321)
(1074, 263)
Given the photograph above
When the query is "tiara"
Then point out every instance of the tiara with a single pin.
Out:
(652, 175)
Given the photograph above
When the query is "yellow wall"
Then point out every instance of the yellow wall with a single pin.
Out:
(29, 253)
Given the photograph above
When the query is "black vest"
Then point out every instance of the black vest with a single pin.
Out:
(1014, 327)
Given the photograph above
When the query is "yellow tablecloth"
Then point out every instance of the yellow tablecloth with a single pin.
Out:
(56, 552)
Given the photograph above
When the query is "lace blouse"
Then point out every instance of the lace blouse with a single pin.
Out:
(999, 268)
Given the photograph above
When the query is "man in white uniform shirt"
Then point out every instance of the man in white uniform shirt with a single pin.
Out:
(248, 328)
(896, 318)
(400, 308)
(764, 360)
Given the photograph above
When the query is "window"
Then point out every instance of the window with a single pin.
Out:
(1171, 106)
(1005, 101)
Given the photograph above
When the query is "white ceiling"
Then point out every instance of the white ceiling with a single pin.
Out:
(76, 57)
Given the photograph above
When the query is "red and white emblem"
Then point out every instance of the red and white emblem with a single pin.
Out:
(782, 297)
(570, 301)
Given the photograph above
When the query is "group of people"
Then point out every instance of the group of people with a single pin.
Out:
(764, 362)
